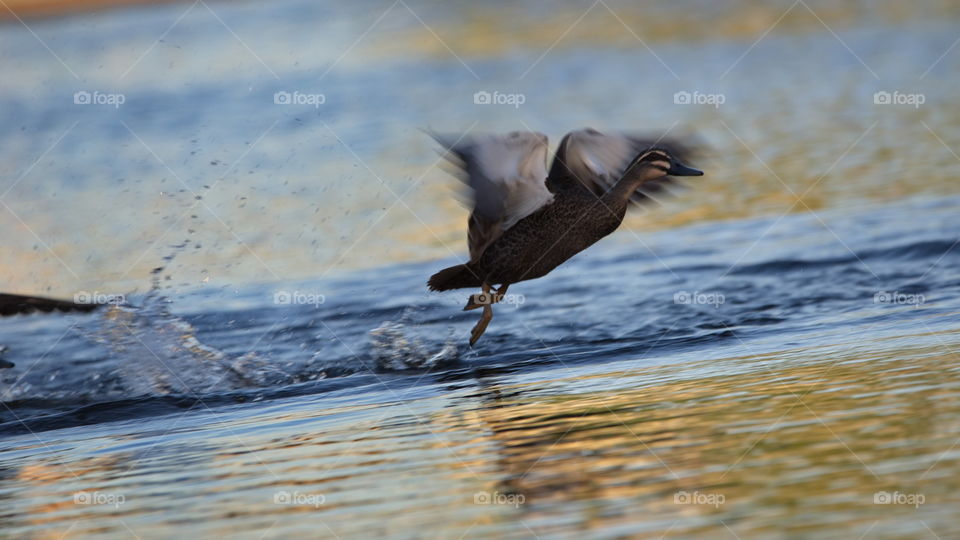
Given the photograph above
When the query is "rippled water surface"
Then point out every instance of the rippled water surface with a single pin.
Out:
(774, 353)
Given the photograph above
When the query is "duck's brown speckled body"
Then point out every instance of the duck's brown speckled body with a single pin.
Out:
(526, 222)
(543, 240)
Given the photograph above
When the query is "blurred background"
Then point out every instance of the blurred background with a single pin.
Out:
(771, 354)
(182, 147)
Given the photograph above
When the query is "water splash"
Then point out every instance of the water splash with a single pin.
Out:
(157, 353)
(392, 348)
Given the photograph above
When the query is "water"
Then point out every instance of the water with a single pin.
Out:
(797, 398)
(771, 354)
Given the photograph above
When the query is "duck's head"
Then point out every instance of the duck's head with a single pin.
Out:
(657, 162)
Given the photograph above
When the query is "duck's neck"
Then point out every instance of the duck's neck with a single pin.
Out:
(619, 195)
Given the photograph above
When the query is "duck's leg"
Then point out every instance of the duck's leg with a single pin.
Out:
(475, 301)
(481, 325)
(481, 299)
(493, 298)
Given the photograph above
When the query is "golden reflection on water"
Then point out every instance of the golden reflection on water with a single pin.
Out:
(787, 449)
(483, 31)
(797, 443)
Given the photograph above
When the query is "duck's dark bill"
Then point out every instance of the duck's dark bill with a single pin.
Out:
(679, 169)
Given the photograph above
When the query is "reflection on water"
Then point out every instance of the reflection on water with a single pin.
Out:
(783, 451)
(795, 444)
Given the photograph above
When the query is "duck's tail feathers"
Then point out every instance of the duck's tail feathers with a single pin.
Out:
(455, 277)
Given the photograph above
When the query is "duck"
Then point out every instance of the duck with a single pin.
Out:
(526, 219)
(18, 304)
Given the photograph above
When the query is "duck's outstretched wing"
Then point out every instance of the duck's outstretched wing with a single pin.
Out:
(598, 160)
(15, 304)
(506, 175)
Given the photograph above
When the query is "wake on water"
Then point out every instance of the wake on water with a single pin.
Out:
(151, 352)
(158, 353)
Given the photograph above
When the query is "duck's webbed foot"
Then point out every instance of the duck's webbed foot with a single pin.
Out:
(486, 299)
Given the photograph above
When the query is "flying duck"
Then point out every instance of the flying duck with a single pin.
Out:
(526, 221)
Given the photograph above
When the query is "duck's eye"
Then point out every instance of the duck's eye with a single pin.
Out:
(655, 156)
